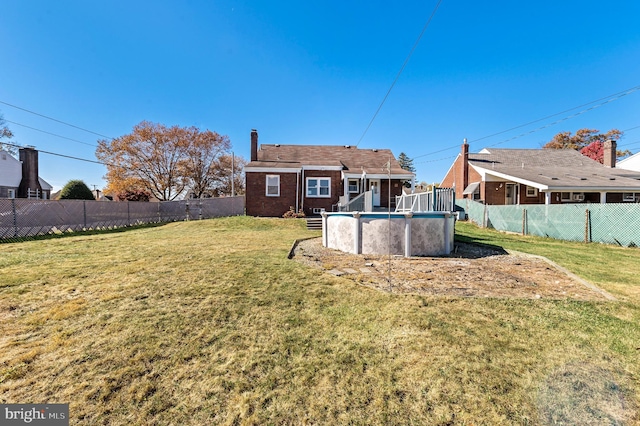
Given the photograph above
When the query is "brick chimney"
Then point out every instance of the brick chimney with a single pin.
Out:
(29, 159)
(254, 145)
(464, 173)
(609, 148)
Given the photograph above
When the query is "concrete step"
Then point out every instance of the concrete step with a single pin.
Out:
(314, 223)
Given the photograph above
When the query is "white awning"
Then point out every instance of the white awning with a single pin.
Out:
(471, 188)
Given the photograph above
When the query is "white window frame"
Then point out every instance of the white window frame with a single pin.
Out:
(531, 191)
(266, 184)
(566, 197)
(357, 190)
(11, 193)
(319, 186)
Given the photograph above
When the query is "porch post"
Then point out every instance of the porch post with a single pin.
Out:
(547, 197)
(407, 234)
(603, 198)
(345, 189)
(325, 236)
(356, 233)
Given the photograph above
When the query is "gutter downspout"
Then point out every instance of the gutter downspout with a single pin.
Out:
(302, 183)
(297, 192)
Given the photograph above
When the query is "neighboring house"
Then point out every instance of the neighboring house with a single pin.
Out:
(19, 178)
(630, 163)
(312, 178)
(541, 176)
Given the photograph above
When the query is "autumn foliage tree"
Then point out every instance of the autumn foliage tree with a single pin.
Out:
(587, 141)
(202, 164)
(165, 161)
(225, 175)
(133, 195)
(595, 151)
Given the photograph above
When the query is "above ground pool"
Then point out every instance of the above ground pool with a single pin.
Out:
(405, 234)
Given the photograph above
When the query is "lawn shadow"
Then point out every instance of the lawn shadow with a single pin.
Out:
(70, 233)
(474, 248)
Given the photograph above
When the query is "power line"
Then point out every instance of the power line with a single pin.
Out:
(56, 120)
(628, 144)
(59, 155)
(609, 99)
(560, 121)
(399, 72)
(49, 133)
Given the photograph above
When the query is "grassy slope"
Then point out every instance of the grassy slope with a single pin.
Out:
(208, 322)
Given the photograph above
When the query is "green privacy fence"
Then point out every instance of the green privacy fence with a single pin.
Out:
(603, 223)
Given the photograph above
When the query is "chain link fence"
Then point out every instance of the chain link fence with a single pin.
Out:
(20, 218)
(603, 223)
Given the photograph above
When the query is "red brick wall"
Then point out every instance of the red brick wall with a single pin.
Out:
(494, 193)
(258, 204)
(454, 176)
(539, 199)
(322, 203)
(396, 189)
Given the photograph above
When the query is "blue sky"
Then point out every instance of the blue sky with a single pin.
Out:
(315, 72)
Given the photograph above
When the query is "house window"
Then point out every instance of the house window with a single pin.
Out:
(354, 186)
(273, 186)
(630, 197)
(565, 196)
(319, 187)
(11, 193)
(532, 192)
(476, 193)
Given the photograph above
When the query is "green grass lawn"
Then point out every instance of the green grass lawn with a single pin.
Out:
(207, 322)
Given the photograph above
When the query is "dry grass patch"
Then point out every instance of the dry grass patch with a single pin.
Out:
(207, 322)
(471, 271)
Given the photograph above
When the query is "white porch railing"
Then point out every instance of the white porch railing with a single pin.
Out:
(362, 203)
(437, 200)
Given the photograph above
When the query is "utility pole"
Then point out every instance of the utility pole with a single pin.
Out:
(388, 167)
(233, 175)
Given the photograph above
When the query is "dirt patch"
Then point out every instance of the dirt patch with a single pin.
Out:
(471, 271)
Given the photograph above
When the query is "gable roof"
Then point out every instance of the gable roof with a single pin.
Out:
(551, 169)
(348, 159)
(630, 163)
(10, 170)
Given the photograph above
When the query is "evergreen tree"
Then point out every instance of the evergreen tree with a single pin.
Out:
(406, 163)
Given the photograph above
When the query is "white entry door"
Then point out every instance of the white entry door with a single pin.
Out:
(374, 186)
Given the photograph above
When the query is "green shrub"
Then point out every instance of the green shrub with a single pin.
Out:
(76, 190)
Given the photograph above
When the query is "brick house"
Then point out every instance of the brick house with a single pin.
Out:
(19, 178)
(312, 178)
(541, 176)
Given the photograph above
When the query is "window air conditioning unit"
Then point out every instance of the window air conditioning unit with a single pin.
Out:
(628, 197)
(578, 197)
